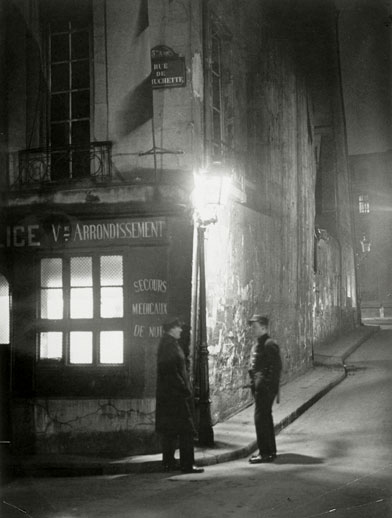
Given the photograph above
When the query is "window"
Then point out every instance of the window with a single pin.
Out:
(220, 91)
(4, 311)
(81, 310)
(364, 205)
(69, 59)
(216, 94)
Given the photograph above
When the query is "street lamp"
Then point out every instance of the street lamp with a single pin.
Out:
(211, 190)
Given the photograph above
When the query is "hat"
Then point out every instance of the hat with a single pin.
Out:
(176, 322)
(260, 319)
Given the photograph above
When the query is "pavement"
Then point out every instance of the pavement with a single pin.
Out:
(234, 438)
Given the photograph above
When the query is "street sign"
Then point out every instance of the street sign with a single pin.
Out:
(167, 68)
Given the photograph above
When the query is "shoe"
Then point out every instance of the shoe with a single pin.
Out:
(259, 459)
(172, 466)
(193, 469)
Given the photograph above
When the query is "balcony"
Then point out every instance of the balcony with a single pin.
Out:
(34, 168)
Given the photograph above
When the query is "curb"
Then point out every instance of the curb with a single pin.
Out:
(100, 468)
(325, 360)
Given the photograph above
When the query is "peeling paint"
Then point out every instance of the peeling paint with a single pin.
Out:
(197, 76)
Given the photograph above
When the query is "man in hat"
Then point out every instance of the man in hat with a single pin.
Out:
(174, 416)
(265, 369)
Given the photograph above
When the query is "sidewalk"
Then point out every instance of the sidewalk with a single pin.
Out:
(234, 438)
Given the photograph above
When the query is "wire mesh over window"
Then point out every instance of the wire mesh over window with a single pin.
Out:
(111, 280)
(81, 296)
(51, 345)
(52, 302)
(81, 280)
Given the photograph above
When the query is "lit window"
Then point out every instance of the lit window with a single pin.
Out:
(81, 347)
(364, 205)
(4, 311)
(111, 287)
(82, 310)
(51, 289)
(81, 287)
(111, 347)
(52, 345)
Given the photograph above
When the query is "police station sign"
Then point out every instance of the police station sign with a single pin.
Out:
(68, 232)
(167, 68)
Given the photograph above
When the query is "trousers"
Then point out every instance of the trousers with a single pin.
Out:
(169, 445)
(264, 422)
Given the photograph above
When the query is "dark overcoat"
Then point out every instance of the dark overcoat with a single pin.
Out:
(173, 394)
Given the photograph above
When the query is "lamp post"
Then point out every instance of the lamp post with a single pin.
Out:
(208, 194)
(205, 430)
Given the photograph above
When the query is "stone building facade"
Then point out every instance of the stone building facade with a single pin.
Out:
(115, 110)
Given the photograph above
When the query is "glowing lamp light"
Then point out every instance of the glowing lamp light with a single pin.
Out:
(210, 191)
(365, 244)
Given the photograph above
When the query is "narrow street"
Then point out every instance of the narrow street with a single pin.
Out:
(336, 460)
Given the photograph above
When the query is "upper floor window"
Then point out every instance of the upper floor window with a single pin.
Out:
(219, 92)
(69, 62)
(216, 93)
(364, 205)
(81, 310)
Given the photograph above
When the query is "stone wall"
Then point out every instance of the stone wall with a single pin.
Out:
(261, 255)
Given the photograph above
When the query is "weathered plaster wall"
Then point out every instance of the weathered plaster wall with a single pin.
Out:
(177, 111)
(260, 259)
(97, 426)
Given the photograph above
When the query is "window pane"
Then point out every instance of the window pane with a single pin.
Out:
(112, 302)
(80, 74)
(216, 121)
(52, 304)
(81, 303)
(59, 166)
(51, 346)
(60, 135)
(81, 271)
(81, 134)
(111, 270)
(59, 26)
(81, 347)
(216, 100)
(51, 273)
(111, 347)
(59, 110)
(60, 77)
(80, 45)
(80, 164)
(4, 311)
(59, 47)
(215, 51)
(80, 104)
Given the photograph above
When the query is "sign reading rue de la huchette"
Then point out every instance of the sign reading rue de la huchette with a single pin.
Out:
(167, 68)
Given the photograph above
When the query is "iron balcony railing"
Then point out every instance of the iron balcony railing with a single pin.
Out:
(38, 166)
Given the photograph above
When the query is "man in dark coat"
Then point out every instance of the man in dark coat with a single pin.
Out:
(265, 369)
(174, 417)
